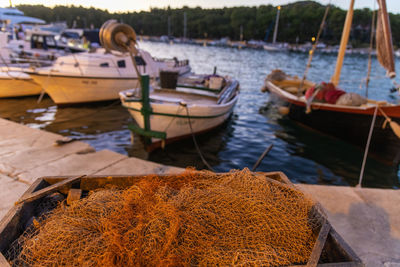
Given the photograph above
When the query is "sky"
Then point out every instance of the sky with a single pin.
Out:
(137, 5)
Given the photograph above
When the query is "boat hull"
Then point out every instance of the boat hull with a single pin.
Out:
(18, 87)
(173, 120)
(353, 128)
(351, 124)
(67, 90)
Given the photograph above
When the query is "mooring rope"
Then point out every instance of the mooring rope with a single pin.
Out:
(44, 87)
(371, 129)
(194, 138)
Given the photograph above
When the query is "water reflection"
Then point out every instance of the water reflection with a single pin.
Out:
(184, 153)
(341, 158)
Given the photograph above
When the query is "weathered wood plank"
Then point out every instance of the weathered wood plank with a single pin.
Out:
(3, 261)
(73, 195)
(319, 244)
(49, 189)
(10, 223)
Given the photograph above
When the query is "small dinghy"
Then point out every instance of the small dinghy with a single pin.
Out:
(175, 109)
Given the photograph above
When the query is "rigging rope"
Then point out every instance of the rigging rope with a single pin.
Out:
(314, 47)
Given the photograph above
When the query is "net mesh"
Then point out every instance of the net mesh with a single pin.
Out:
(196, 218)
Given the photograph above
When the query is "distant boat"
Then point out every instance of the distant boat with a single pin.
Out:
(351, 121)
(18, 56)
(274, 46)
(39, 46)
(98, 76)
(13, 16)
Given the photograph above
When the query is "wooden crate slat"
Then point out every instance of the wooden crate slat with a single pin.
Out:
(319, 244)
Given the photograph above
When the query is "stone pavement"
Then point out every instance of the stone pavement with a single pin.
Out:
(27, 154)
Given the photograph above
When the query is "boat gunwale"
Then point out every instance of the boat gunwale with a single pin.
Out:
(230, 110)
(56, 75)
(134, 99)
(391, 110)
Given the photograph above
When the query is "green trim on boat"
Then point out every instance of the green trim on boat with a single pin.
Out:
(181, 116)
(132, 100)
(198, 88)
(147, 133)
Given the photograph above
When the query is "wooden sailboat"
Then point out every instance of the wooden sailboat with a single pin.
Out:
(349, 122)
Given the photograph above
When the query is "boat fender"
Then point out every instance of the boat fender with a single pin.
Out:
(264, 88)
(283, 110)
(394, 125)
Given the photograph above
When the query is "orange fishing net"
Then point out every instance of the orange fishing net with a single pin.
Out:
(197, 218)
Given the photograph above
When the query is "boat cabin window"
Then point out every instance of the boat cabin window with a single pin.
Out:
(12, 14)
(140, 61)
(104, 65)
(121, 64)
(50, 41)
(38, 42)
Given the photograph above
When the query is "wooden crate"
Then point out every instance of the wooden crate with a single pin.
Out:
(335, 250)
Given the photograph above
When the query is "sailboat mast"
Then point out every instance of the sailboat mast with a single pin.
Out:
(343, 44)
(276, 25)
(184, 25)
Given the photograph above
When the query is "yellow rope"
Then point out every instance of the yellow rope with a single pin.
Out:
(394, 125)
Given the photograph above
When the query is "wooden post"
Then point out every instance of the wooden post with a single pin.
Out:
(343, 44)
(146, 107)
(184, 25)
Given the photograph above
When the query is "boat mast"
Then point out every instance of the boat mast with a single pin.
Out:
(343, 44)
(184, 25)
(276, 25)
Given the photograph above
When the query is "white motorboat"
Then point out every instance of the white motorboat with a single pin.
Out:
(39, 46)
(13, 81)
(12, 16)
(197, 104)
(98, 76)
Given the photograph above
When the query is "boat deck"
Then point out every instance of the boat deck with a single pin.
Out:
(182, 95)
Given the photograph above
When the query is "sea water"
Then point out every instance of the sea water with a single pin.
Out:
(304, 155)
